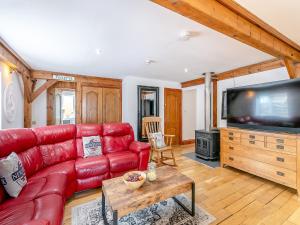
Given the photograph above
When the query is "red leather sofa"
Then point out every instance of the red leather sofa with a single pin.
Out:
(53, 160)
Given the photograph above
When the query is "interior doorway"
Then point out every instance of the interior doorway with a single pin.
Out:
(64, 106)
(173, 114)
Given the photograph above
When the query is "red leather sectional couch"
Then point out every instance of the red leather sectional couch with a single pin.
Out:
(53, 160)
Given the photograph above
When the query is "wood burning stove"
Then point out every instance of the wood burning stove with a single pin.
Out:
(207, 144)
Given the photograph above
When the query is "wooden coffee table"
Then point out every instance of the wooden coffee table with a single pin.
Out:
(123, 201)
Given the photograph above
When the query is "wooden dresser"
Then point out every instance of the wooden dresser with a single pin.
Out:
(274, 156)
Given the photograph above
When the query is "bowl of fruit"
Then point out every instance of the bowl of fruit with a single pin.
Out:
(134, 179)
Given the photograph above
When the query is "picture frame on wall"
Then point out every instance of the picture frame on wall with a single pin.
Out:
(224, 105)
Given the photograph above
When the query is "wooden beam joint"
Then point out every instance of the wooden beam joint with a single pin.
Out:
(41, 89)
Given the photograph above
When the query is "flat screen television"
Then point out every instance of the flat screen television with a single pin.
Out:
(270, 106)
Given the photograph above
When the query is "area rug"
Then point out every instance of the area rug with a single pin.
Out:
(212, 164)
(163, 213)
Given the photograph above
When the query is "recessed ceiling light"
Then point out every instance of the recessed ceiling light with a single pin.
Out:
(186, 70)
(149, 61)
(185, 35)
(98, 51)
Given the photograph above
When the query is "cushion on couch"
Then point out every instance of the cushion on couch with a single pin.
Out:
(92, 166)
(86, 130)
(52, 184)
(117, 137)
(67, 168)
(56, 143)
(122, 161)
(12, 174)
(46, 208)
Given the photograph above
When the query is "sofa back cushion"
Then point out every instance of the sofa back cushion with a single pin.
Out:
(116, 137)
(86, 130)
(56, 143)
(21, 141)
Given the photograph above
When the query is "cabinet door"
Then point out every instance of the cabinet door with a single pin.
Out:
(112, 105)
(91, 105)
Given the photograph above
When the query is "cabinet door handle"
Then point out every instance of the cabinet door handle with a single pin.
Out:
(252, 136)
(231, 148)
(231, 158)
(231, 138)
(280, 147)
(280, 159)
(230, 133)
(280, 173)
(252, 142)
(281, 141)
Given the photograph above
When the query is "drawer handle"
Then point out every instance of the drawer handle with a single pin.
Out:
(230, 133)
(281, 141)
(230, 158)
(231, 138)
(252, 142)
(280, 147)
(280, 173)
(231, 148)
(280, 159)
(252, 136)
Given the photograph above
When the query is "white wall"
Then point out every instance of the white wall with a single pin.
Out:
(16, 81)
(257, 78)
(189, 110)
(39, 107)
(129, 97)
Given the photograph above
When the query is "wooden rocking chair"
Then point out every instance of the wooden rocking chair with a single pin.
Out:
(153, 125)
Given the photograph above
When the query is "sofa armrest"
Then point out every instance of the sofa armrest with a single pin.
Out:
(37, 222)
(143, 151)
(137, 146)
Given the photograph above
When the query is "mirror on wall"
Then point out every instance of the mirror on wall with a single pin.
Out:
(148, 105)
(64, 106)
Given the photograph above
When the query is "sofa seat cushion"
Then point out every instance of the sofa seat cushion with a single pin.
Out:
(67, 168)
(122, 161)
(46, 208)
(39, 187)
(92, 166)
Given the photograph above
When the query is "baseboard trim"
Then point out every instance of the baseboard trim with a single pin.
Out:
(187, 142)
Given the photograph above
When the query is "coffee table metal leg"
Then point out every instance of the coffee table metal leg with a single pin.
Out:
(191, 212)
(115, 217)
(103, 209)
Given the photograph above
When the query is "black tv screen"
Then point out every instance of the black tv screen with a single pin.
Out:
(270, 106)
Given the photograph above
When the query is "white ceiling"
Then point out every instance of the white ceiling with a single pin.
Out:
(283, 15)
(63, 35)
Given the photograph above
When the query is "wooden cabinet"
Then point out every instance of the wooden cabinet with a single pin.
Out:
(101, 105)
(274, 156)
(112, 105)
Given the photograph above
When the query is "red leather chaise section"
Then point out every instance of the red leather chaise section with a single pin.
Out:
(55, 167)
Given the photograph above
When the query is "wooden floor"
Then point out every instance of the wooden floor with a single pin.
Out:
(232, 196)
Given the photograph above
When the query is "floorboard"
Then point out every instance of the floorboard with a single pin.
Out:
(232, 196)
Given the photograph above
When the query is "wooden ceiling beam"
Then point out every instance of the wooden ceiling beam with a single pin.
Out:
(48, 75)
(241, 71)
(221, 18)
(41, 89)
(234, 6)
(291, 68)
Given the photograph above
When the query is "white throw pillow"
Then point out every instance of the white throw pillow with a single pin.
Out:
(92, 146)
(12, 174)
(159, 139)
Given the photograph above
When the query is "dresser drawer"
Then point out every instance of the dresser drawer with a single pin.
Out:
(230, 146)
(253, 137)
(253, 143)
(231, 139)
(274, 173)
(231, 133)
(274, 158)
(282, 141)
(282, 148)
